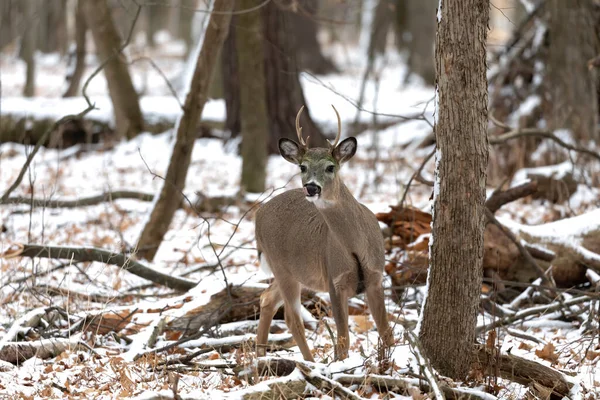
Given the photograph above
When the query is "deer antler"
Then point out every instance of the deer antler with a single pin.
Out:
(303, 143)
(339, 132)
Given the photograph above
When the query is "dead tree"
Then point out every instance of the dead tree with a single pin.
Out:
(128, 116)
(174, 181)
(449, 316)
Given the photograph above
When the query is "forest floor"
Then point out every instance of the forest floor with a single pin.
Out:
(51, 299)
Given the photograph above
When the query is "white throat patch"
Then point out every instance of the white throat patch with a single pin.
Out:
(319, 202)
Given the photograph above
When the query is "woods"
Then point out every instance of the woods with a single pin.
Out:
(154, 243)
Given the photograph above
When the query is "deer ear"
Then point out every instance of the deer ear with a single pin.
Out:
(345, 150)
(289, 150)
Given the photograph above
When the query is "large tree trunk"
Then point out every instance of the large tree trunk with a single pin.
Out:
(168, 202)
(284, 92)
(447, 327)
(74, 78)
(420, 36)
(28, 45)
(572, 87)
(303, 21)
(282, 78)
(52, 22)
(253, 107)
(128, 116)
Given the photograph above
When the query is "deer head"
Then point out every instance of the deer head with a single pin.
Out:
(318, 166)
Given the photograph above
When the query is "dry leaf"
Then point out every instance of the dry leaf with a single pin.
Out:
(547, 353)
(363, 324)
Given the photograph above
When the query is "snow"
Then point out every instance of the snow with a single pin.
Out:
(195, 241)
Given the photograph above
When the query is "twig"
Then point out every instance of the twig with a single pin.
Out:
(524, 253)
(424, 363)
(84, 254)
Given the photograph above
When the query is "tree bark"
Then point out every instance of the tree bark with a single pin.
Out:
(28, 46)
(126, 107)
(253, 107)
(572, 86)
(174, 181)
(447, 327)
(420, 37)
(80, 51)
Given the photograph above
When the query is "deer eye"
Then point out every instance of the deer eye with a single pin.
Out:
(303, 168)
(330, 168)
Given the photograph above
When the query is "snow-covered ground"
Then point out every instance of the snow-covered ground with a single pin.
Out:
(110, 371)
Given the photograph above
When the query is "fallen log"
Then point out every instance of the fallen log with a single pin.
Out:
(17, 352)
(523, 371)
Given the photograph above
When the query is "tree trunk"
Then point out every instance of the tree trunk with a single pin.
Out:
(282, 79)
(253, 107)
(231, 81)
(303, 21)
(284, 92)
(126, 107)
(420, 36)
(167, 203)
(572, 86)
(28, 46)
(74, 78)
(447, 326)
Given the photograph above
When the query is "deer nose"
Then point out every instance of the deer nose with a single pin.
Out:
(310, 189)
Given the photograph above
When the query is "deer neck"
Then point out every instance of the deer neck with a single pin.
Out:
(341, 211)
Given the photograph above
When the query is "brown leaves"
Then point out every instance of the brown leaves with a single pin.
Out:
(547, 353)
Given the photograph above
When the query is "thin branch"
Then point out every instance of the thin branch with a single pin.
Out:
(534, 132)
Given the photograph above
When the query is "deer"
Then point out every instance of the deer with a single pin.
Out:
(319, 237)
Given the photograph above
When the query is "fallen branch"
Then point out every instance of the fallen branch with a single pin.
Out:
(424, 364)
(82, 202)
(385, 383)
(17, 352)
(502, 197)
(525, 372)
(29, 320)
(288, 387)
(528, 312)
(321, 382)
(86, 254)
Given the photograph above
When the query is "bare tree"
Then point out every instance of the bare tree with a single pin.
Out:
(28, 46)
(253, 107)
(126, 107)
(174, 182)
(572, 87)
(447, 326)
(74, 78)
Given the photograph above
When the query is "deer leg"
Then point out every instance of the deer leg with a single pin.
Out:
(270, 301)
(339, 305)
(376, 304)
(293, 317)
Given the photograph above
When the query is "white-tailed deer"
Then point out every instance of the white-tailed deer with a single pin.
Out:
(319, 237)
